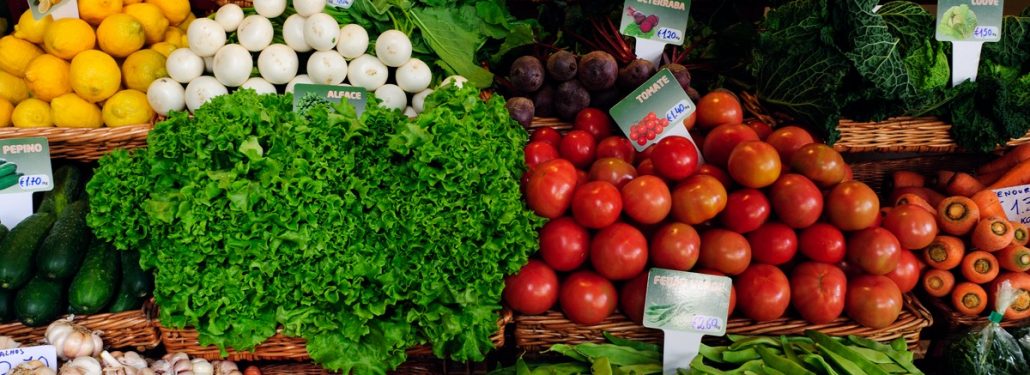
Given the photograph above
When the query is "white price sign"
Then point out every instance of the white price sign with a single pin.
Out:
(11, 358)
(1016, 202)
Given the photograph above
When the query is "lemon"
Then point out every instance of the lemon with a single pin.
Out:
(164, 48)
(47, 78)
(71, 111)
(95, 11)
(153, 21)
(12, 89)
(143, 67)
(95, 75)
(175, 11)
(174, 36)
(15, 55)
(127, 107)
(5, 113)
(66, 37)
(32, 113)
(31, 29)
(185, 24)
(120, 35)
(130, 2)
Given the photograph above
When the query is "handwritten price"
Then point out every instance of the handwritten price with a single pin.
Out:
(985, 32)
(706, 323)
(669, 35)
(33, 182)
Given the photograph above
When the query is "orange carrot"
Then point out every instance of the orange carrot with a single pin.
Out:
(1007, 161)
(1020, 233)
(957, 215)
(969, 299)
(1020, 281)
(944, 253)
(941, 181)
(992, 234)
(988, 203)
(927, 194)
(916, 200)
(980, 267)
(938, 283)
(1014, 258)
(900, 179)
(963, 184)
(989, 178)
(1018, 175)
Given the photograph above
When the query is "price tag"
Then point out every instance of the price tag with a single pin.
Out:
(343, 4)
(11, 358)
(686, 306)
(24, 169)
(654, 110)
(655, 23)
(1016, 202)
(968, 24)
(304, 93)
(57, 9)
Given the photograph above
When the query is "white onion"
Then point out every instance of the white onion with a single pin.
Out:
(255, 33)
(229, 16)
(353, 41)
(393, 48)
(327, 67)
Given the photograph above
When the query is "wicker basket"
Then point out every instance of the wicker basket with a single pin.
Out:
(901, 134)
(954, 320)
(84, 144)
(875, 171)
(125, 330)
(412, 367)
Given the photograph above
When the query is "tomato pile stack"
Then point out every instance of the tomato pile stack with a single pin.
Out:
(648, 128)
(760, 198)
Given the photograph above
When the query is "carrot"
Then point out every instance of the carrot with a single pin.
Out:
(913, 199)
(944, 253)
(900, 179)
(1007, 161)
(969, 299)
(963, 184)
(1014, 257)
(992, 234)
(942, 178)
(980, 267)
(1018, 175)
(988, 203)
(927, 194)
(1020, 308)
(1020, 233)
(989, 178)
(938, 283)
(957, 215)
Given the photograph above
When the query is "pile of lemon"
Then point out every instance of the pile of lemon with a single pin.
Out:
(90, 71)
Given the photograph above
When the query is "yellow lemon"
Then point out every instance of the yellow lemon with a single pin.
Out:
(127, 107)
(32, 113)
(12, 89)
(153, 21)
(66, 37)
(15, 55)
(130, 2)
(5, 113)
(120, 35)
(71, 111)
(176, 11)
(31, 29)
(143, 67)
(185, 24)
(164, 48)
(95, 75)
(174, 36)
(47, 78)
(95, 11)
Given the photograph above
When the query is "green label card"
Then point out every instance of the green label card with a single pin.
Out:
(659, 20)
(304, 95)
(25, 165)
(969, 20)
(687, 301)
(654, 110)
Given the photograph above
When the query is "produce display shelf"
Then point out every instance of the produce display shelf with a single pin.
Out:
(84, 144)
(132, 329)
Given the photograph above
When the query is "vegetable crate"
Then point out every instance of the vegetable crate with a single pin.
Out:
(84, 144)
(132, 329)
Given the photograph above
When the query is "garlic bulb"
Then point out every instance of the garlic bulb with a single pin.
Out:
(72, 340)
(82, 366)
(8, 343)
(226, 368)
(131, 359)
(202, 367)
(32, 368)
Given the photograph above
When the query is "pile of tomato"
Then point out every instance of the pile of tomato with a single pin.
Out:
(775, 210)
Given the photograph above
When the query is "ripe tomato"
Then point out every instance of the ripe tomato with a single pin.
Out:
(817, 291)
(614, 171)
(852, 205)
(906, 274)
(820, 163)
(546, 134)
(593, 121)
(675, 246)
(788, 140)
(646, 168)
(914, 226)
(719, 107)
(724, 251)
(550, 187)
(822, 242)
(698, 199)
(587, 298)
(538, 152)
(645, 155)
(796, 200)
(764, 292)
(873, 301)
(773, 243)
(578, 147)
(746, 210)
(564, 244)
(616, 147)
(533, 290)
(760, 127)
(647, 199)
(596, 204)
(690, 120)
(675, 158)
(632, 297)
(733, 289)
(719, 174)
(581, 177)
(619, 252)
(754, 164)
(875, 250)
(721, 141)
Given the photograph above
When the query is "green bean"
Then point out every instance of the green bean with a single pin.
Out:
(567, 351)
(788, 350)
(893, 368)
(740, 356)
(601, 366)
(782, 364)
(769, 370)
(848, 367)
(521, 368)
(871, 344)
(698, 366)
(872, 355)
(755, 365)
(713, 353)
(735, 338)
(899, 345)
(639, 369)
(818, 362)
(618, 355)
(638, 345)
(570, 368)
(765, 340)
(843, 351)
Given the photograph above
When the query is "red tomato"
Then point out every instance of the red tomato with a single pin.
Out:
(619, 252)
(754, 164)
(733, 289)
(746, 210)
(719, 174)
(675, 158)
(596, 204)
(587, 298)
(822, 242)
(788, 140)
(594, 121)
(764, 292)
(914, 226)
(773, 243)
(721, 141)
(796, 200)
(646, 168)
(614, 171)
(875, 250)
(645, 155)
(564, 244)
(852, 205)
(646, 199)
(719, 107)
(546, 134)
(817, 291)
(690, 121)
(578, 147)
(550, 187)
(698, 199)
(724, 251)
(632, 296)
(533, 290)
(906, 274)
(760, 127)
(616, 147)
(581, 177)
(675, 246)
(538, 152)
(820, 163)
(873, 301)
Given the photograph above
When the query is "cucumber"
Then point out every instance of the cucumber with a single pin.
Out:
(61, 252)
(39, 302)
(6, 306)
(94, 286)
(135, 280)
(8, 168)
(19, 247)
(9, 180)
(69, 182)
(125, 301)
(3, 232)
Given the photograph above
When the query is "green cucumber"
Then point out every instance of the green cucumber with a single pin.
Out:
(6, 306)
(39, 302)
(61, 252)
(94, 286)
(19, 247)
(9, 180)
(3, 232)
(125, 301)
(8, 169)
(135, 280)
(69, 184)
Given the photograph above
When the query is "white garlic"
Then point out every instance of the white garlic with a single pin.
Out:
(72, 340)
(32, 368)
(202, 367)
(8, 343)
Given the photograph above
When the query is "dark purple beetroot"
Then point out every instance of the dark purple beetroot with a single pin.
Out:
(527, 74)
(605, 99)
(521, 110)
(570, 98)
(598, 71)
(562, 66)
(693, 94)
(543, 100)
(681, 73)
(635, 74)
